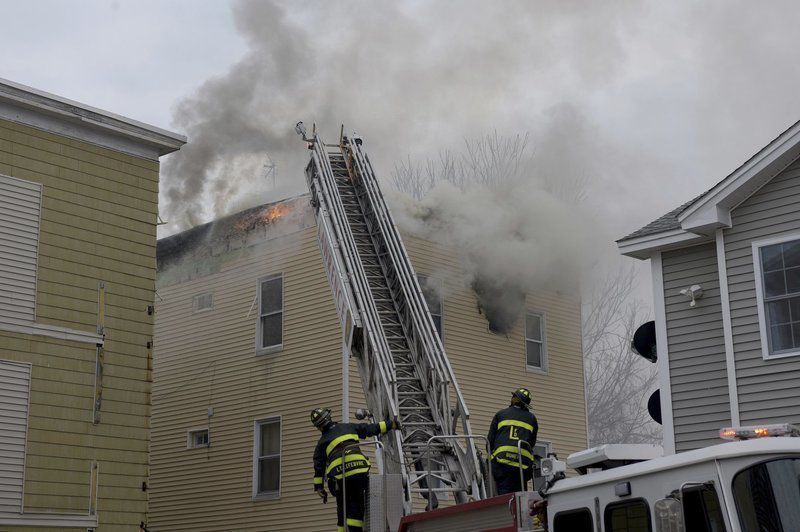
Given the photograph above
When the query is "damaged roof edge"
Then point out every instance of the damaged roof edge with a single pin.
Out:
(175, 246)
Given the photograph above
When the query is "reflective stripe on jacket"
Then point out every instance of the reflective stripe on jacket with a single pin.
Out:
(330, 450)
(510, 426)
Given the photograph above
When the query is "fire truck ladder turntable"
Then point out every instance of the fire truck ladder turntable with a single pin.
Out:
(388, 327)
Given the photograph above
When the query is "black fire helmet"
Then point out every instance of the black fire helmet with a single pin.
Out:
(321, 417)
(523, 395)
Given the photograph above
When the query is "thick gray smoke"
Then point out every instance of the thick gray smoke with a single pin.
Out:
(410, 77)
(646, 103)
(517, 230)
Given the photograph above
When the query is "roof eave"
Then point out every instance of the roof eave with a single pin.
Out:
(713, 210)
(643, 247)
(160, 140)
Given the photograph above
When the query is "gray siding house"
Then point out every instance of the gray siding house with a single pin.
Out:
(732, 357)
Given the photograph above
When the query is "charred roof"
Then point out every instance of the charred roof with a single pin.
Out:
(175, 247)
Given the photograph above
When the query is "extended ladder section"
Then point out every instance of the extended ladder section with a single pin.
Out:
(389, 329)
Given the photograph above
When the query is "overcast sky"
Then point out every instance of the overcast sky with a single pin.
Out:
(649, 102)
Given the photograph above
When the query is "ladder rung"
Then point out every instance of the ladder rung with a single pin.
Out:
(437, 490)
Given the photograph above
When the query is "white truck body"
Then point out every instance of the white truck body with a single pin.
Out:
(625, 499)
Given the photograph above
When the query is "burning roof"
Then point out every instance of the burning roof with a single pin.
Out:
(234, 230)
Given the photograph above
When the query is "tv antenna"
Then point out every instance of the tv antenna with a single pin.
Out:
(269, 172)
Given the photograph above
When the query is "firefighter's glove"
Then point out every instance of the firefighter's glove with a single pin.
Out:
(322, 495)
(395, 423)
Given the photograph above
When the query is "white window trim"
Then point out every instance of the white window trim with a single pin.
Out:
(545, 361)
(759, 280)
(196, 299)
(190, 440)
(272, 495)
(273, 348)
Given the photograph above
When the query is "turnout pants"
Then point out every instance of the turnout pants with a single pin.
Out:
(357, 486)
(507, 478)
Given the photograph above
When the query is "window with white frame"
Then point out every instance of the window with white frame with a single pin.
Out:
(267, 458)
(20, 205)
(202, 302)
(432, 290)
(535, 344)
(777, 265)
(270, 313)
(197, 438)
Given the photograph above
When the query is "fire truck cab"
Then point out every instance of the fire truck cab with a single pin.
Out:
(750, 485)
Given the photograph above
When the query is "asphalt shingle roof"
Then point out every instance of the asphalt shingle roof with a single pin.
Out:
(668, 222)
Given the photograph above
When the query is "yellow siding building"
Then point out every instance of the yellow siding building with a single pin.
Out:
(78, 211)
(231, 437)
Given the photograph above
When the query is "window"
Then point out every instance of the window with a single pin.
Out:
(16, 381)
(202, 302)
(701, 510)
(767, 496)
(267, 458)
(535, 344)
(197, 438)
(628, 516)
(432, 290)
(573, 521)
(270, 314)
(777, 267)
(20, 205)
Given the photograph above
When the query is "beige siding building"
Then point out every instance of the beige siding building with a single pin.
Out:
(232, 442)
(78, 211)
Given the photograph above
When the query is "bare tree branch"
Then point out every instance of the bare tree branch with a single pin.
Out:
(618, 381)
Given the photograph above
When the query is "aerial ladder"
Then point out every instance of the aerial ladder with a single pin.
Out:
(388, 327)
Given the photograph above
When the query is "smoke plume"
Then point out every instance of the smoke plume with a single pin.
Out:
(405, 75)
(644, 103)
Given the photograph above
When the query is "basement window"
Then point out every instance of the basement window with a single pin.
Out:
(535, 343)
(267, 458)
(202, 303)
(197, 438)
(777, 269)
(270, 314)
(432, 290)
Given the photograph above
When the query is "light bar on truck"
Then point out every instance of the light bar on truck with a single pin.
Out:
(759, 431)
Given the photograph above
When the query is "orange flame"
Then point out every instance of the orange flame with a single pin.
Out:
(275, 212)
(265, 216)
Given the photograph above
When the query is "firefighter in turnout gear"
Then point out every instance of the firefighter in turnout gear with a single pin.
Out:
(508, 427)
(354, 469)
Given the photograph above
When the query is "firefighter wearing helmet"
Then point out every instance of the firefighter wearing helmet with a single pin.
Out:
(336, 458)
(510, 426)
